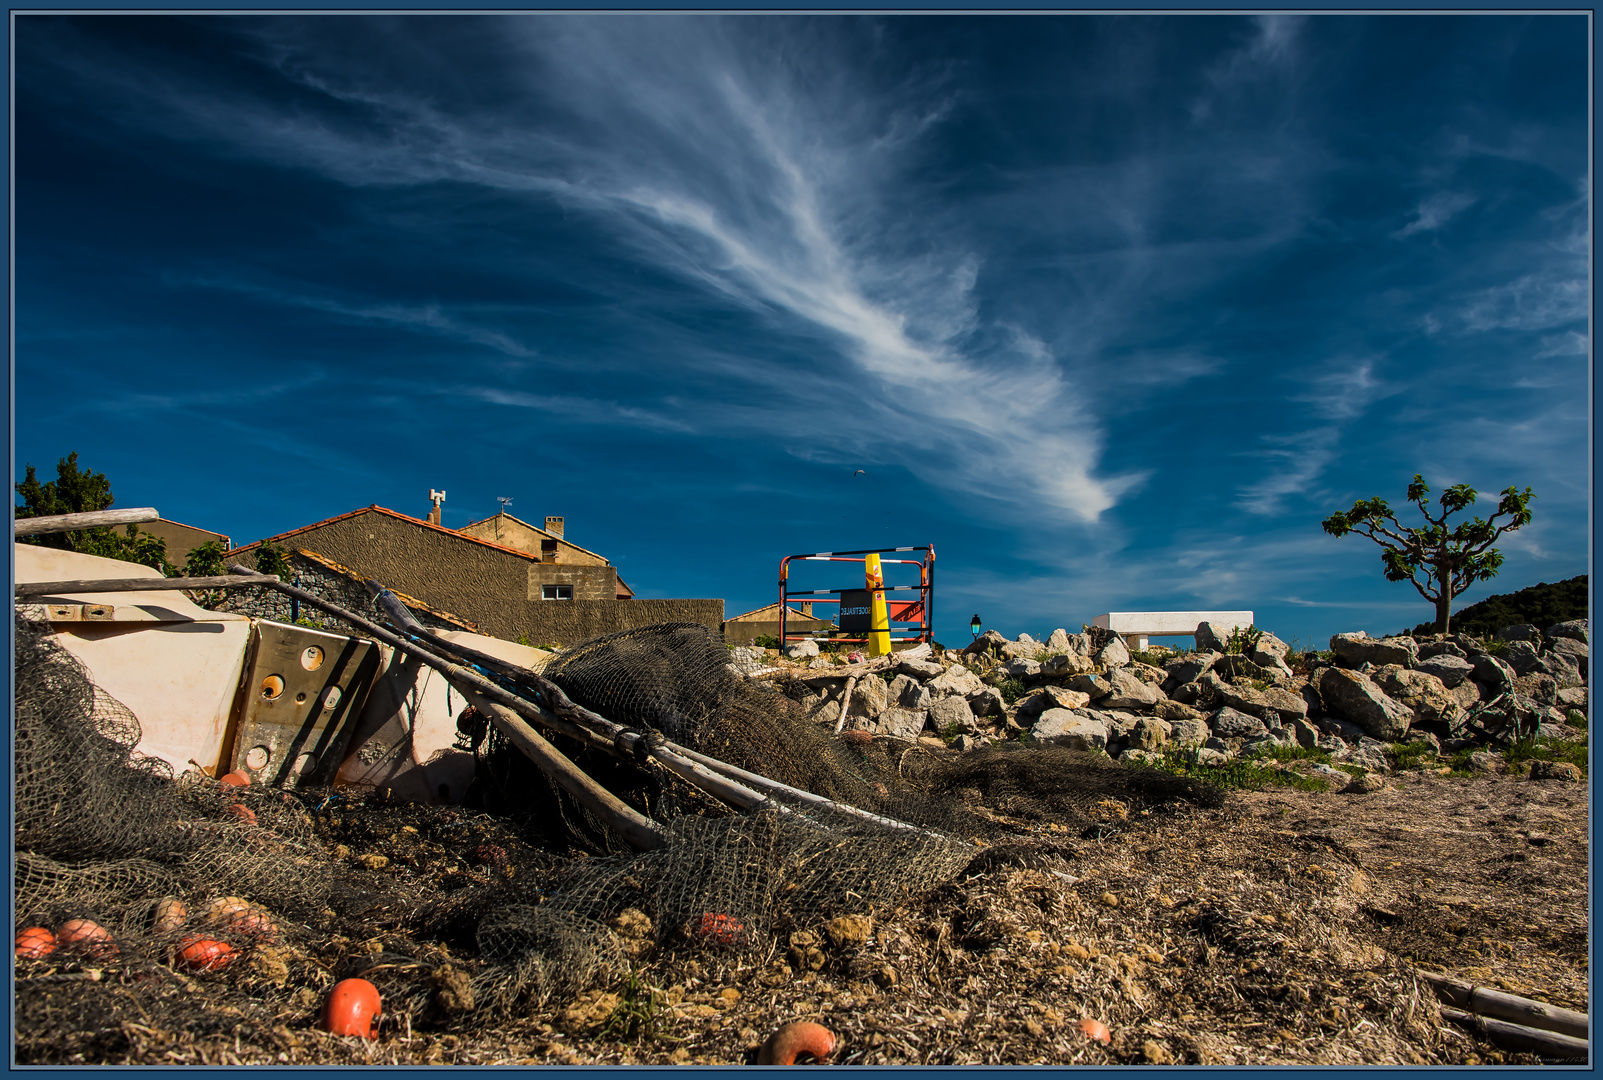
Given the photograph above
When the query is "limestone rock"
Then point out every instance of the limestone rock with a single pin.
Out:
(802, 650)
(1451, 670)
(1269, 652)
(1271, 705)
(1189, 668)
(1432, 649)
(1364, 785)
(952, 713)
(907, 692)
(1554, 770)
(1066, 664)
(1212, 636)
(1229, 723)
(1174, 710)
(1188, 732)
(1421, 691)
(1064, 727)
(1494, 674)
(1129, 692)
(1523, 657)
(869, 697)
(1092, 685)
(987, 701)
(986, 641)
(1022, 667)
(899, 723)
(1149, 733)
(1354, 697)
(1520, 632)
(1114, 654)
(956, 679)
(1058, 641)
(923, 670)
(1357, 648)
(1575, 630)
(1304, 732)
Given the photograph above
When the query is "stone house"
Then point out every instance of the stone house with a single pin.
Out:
(505, 592)
(568, 571)
(181, 539)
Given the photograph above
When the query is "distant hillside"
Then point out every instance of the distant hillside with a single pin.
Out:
(1542, 605)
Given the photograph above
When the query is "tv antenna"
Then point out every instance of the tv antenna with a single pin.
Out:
(505, 502)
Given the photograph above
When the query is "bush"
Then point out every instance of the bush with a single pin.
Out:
(1525, 751)
(1247, 773)
(766, 641)
(1012, 689)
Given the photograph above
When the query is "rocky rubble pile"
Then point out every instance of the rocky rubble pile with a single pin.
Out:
(1086, 691)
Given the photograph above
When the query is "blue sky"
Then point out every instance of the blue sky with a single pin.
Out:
(1113, 310)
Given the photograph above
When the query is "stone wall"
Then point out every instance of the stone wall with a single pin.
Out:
(568, 622)
(588, 582)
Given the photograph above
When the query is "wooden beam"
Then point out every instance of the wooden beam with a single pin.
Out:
(641, 832)
(1510, 1007)
(1519, 1037)
(96, 519)
(140, 584)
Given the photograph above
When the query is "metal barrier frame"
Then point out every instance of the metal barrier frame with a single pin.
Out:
(925, 589)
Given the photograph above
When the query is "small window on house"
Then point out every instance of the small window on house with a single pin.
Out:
(556, 592)
(548, 551)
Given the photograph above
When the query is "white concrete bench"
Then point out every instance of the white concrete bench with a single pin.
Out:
(1136, 626)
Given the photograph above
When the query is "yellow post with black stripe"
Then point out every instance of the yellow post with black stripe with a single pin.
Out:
(879, 637)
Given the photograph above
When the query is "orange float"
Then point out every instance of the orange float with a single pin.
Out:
(88, 935)
(716, 928)
(237, 778)
(34, 942)
(799, 1039)
(205, 954)
(1095, 1029)
(350, 1009)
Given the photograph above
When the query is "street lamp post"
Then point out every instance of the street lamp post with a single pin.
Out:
(974, 627)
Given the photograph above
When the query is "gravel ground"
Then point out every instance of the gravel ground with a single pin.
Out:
(1286, 927)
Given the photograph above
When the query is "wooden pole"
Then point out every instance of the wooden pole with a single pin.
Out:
(1510, 1007)
(95, 519)
(1519, 1037)
(140, 584)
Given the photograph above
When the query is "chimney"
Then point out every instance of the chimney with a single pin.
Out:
(435, 497)
(553, 525)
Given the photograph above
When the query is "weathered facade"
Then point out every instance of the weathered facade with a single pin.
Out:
(181, 539)
(499, 588)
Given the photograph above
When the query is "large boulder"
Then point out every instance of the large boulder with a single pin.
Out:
(1149, 733)
(923, 670)
(1354, 697)
(952, 714)
(1523, 658)
(1072, 728)
(1174, 710)
(1421, 691)
(1129, 692)
(1575, 630)
(957, 680)
(1188, 732)
(1058, 641)
(987, 641)
(802, 650)
(1025, 648)
(987, 701)
(1450, 669)
(1236, 666)
(1439, 648)
(869, 697)
(1358, 648)
(1273, 705)
(1062, 665)
(1229, 723)
(1186, 669)
(1494, 674)
(1520, 632)
(1023, 667)
(1114, 654)
(898, 723)
(907, 692)
(1092, 685)
(1212, 637)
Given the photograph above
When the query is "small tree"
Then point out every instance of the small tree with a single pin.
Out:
(81, 491)
(1440, 563)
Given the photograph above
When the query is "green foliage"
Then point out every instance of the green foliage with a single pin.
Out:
(1576, 718)
(1012, 689)
(523, 638)
(642, 1012)
(1525, 751)
(766, 641)
(1408, 755)
(1295, 753)
(1243, 639)
(1247, 773)
(1439, 562)
(206, 560)
(1541, 605)
(83, 491)
(310, 624)
(271, 559)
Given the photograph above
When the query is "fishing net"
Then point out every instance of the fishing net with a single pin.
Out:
(518, 900)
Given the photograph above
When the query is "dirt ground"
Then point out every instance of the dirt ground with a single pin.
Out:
(1285, 927)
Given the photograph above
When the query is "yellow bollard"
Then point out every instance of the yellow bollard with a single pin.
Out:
(879, 638)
